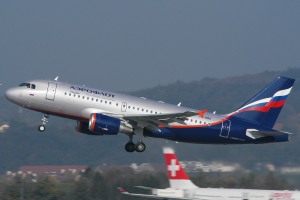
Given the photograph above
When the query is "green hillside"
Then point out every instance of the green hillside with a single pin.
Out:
(22, 144)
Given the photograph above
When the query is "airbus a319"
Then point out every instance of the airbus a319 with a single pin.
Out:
(100, 112)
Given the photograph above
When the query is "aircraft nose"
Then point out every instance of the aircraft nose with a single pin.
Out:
(11, 94)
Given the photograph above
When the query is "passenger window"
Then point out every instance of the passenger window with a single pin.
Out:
(88, 98)
(96, 100)
(117, 104)
(151, 111)
(65, 93)
(82, 97)
(128, 107)
(69, 94)
(105, 102)
(78, 96)
(92, 99)
(74, 95)
(109, 103)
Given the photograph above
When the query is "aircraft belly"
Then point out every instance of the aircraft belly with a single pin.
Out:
(207, 135)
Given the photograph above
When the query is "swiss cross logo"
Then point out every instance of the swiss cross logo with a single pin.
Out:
(173, 168)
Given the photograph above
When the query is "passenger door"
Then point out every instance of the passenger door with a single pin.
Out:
(50, 95)
(225, 129)
(124, 107)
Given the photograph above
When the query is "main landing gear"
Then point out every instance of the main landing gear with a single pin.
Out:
(42, 127)
(138, 147)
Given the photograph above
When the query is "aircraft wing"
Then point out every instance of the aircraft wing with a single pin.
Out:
(152, 122)
(151, 195)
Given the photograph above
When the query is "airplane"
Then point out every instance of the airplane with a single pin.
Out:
(100, 112)
(181, 187)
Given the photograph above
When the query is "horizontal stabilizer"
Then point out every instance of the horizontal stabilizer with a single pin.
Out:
(272, 133)
(145, 188)
(253, 133)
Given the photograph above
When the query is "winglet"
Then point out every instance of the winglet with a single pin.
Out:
(201, 113)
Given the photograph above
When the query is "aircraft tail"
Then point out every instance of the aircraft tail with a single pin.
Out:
(265, 106)
(177, 176)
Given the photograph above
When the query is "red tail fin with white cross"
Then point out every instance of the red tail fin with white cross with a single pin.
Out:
(177, 177)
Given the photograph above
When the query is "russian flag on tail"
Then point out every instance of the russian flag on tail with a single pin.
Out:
(265, 106)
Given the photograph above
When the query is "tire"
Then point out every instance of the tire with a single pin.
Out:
(130, 147)
(140, 147)
(41, 128)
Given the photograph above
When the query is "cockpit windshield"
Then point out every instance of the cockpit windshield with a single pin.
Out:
(28, 85)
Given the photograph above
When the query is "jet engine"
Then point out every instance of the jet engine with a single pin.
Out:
(103, 124)
(83, 127)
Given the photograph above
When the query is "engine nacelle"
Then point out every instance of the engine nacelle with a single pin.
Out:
(103, 124)
(83, 127)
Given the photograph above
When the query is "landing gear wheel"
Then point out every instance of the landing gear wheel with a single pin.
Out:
(140, 147)
(130, 147)
(41, 128)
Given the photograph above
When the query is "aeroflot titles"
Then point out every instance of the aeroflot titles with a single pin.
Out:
(93, 91)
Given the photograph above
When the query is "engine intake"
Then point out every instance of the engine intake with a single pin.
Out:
(83, 127)
(103, 124)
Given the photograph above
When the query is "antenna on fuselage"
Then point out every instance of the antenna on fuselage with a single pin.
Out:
(179, 104)
(56, 78)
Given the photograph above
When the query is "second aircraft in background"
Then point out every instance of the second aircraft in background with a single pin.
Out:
(181, 187)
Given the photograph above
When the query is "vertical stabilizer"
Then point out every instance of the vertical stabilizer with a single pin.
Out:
(265, 106)
(177, 177)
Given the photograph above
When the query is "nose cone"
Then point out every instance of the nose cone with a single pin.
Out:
(11, 94)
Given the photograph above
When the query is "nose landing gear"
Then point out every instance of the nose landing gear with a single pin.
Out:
(42, 127)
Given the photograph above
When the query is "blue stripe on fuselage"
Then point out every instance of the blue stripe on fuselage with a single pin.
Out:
(211, 134)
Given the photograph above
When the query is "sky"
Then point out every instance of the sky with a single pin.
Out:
(127, 45)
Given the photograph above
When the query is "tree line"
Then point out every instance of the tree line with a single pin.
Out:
(94, 184)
